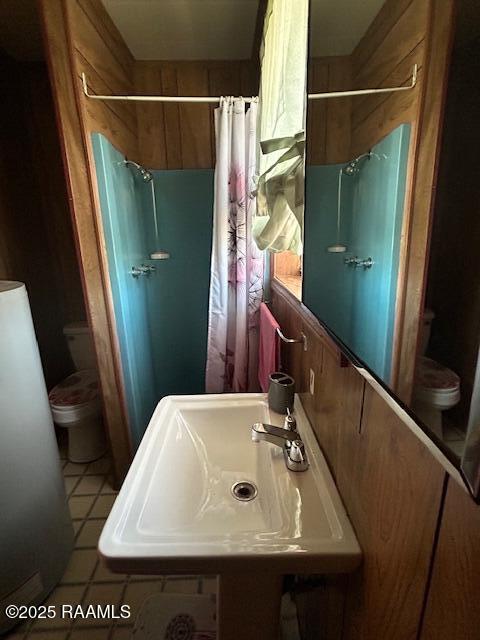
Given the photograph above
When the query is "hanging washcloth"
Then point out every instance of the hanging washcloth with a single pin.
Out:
(278, 225)
(268, 348)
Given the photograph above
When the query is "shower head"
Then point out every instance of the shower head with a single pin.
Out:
(352, 167)
(146, 175)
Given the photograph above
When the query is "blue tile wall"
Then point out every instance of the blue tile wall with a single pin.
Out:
(178, 293)
(125, 242)
(358, 305)
(161, 319)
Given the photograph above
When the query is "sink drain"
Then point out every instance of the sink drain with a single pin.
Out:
(244, 491)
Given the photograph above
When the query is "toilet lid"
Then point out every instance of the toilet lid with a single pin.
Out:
(433, 375)
(79, 388)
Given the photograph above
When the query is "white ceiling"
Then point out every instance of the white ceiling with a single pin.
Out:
(195, 29)
(336, 26)
(224, 29)
(186, 29)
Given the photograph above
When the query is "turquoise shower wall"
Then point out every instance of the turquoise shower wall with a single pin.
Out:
(324, 275)
(378, 198)
(358, 305)
(161, 318)
(178, 292)
(124, 235)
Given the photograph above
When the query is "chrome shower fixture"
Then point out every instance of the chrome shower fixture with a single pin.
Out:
(352, 167)
(349, 169)
(146, 175)
(159, 254)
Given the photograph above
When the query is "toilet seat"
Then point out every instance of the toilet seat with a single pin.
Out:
(75, 398)
(436, 385)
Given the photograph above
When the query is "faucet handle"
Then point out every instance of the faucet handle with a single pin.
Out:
(290, 422)
(296, 456)
(270, 433)
(293, 448)
(296, 451)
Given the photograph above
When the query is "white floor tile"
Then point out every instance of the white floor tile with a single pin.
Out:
(80, 506)
(81, 566)
(89, 485)
(90, 533)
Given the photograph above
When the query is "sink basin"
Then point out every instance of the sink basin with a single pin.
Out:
(176, 509)
(177, 513)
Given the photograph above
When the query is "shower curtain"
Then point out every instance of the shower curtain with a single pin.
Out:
(236, 285)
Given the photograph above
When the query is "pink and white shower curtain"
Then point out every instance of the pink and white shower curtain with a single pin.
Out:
(236, 281)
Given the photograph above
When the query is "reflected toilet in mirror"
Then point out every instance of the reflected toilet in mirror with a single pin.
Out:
(436, 389)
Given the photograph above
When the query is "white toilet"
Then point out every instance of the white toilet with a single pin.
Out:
(75, 402)
(437, 388)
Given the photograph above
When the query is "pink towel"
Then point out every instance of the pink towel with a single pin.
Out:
(268, 347)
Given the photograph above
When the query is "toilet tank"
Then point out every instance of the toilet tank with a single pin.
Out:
(428, 317)
(80, 345)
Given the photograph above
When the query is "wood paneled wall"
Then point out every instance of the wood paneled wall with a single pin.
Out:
(452, 611)
(384, 57)
(393, 490)
(47, 171)
(182, 136)
(342, 128)
(287, 264)
(36, 237)
(329, 120)
(80, 36)
(99, 51)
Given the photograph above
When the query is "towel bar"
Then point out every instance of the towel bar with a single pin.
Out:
(302, 339)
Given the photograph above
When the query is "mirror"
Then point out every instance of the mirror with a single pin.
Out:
(388, 269)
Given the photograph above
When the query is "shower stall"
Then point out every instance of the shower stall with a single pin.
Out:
(352, 246)
(157, 233)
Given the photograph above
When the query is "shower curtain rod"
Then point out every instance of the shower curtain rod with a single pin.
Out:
(311, 96)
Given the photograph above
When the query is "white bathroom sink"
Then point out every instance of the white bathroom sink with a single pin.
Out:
(176, 512)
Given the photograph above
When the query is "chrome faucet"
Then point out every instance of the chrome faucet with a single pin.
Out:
(143, 270)
(287, 439)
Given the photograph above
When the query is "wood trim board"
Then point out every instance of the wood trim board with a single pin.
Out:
(82, 207)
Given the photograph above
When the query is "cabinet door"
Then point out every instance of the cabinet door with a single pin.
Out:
(392, 488)
(453, 611)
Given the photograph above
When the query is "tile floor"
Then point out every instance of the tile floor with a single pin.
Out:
(454, 438)
(86, 580)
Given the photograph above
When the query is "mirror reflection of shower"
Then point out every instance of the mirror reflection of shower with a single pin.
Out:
(147, 176)
(350, 169)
